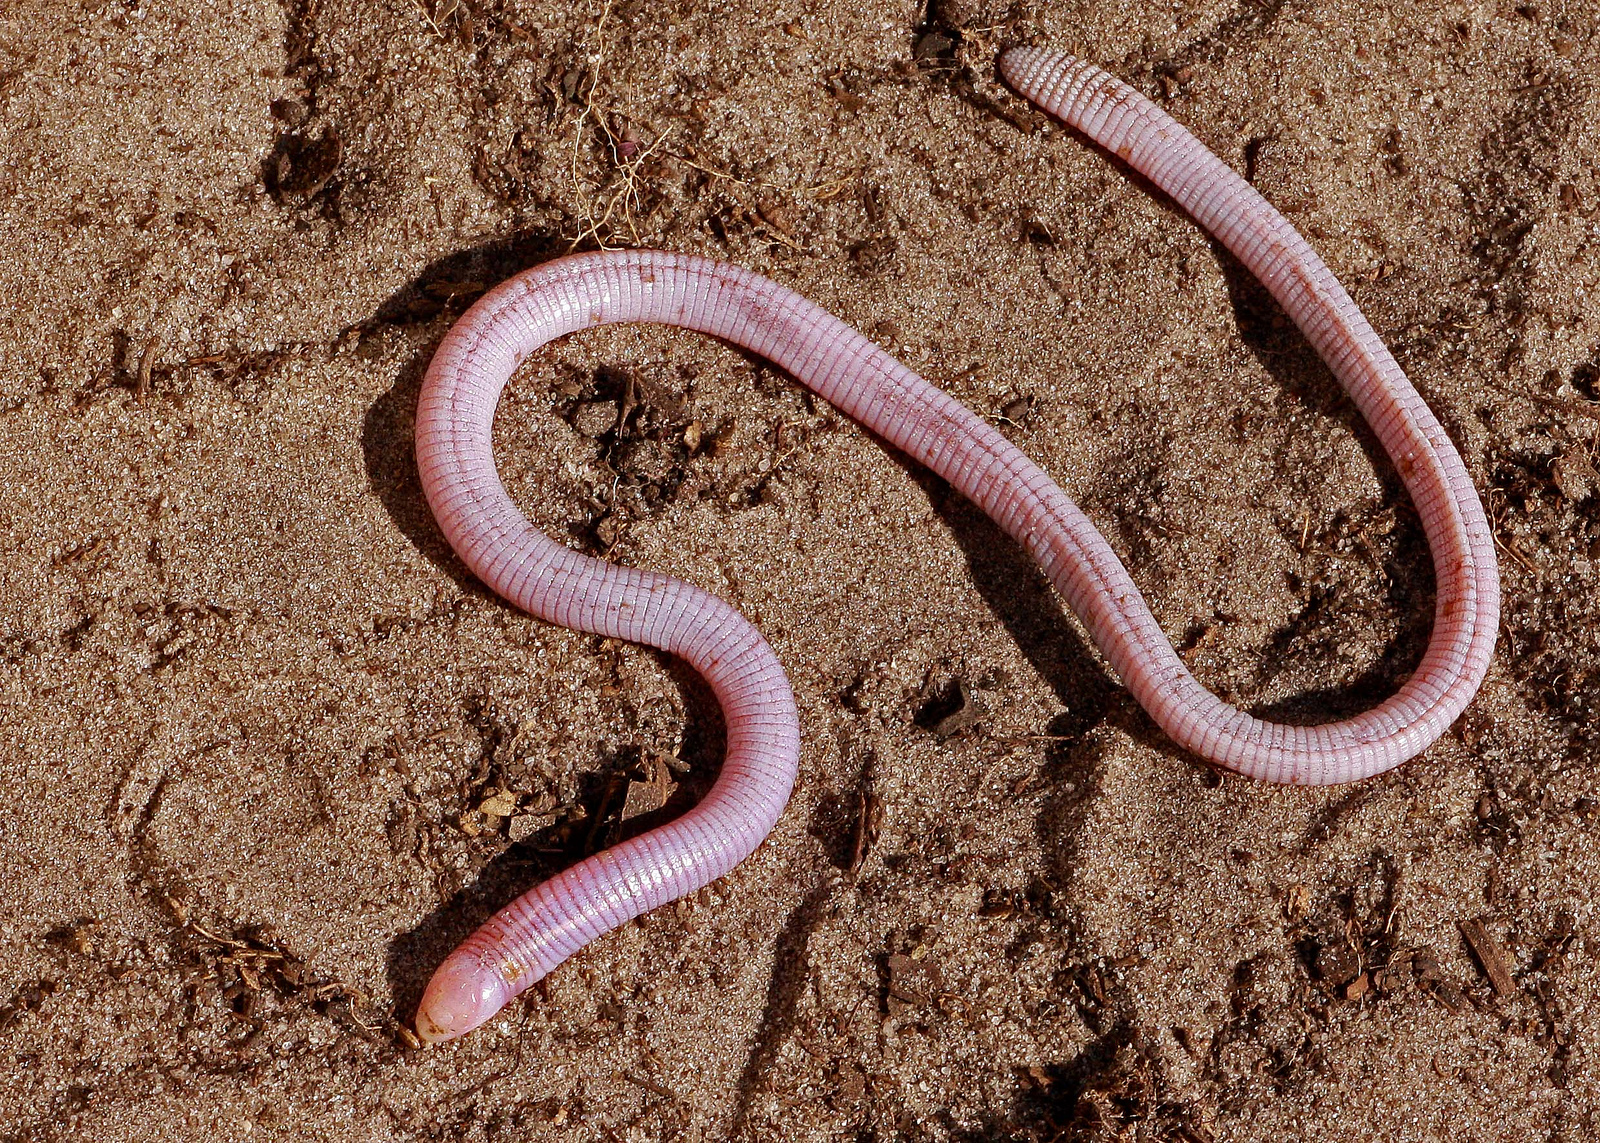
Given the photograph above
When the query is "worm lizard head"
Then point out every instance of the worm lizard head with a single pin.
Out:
(462, 995)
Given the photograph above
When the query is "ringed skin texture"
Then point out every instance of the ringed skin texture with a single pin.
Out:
(539, 930)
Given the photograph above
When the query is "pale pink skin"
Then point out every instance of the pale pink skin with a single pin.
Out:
(552, 921)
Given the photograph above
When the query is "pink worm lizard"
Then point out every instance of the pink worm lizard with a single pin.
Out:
(453, 439)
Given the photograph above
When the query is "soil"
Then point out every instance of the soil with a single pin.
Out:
(269, 751)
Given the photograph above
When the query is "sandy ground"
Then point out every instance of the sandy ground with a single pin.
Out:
(250, 705)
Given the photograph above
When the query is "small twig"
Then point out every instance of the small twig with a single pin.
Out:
(650, 1085)
(428, 16)
(226, 942)
(1514, 554)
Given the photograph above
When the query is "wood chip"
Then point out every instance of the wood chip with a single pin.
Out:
(147, 361)
(915, 982)
(1489, 955)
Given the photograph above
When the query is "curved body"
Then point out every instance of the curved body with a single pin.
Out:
(550, 922)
